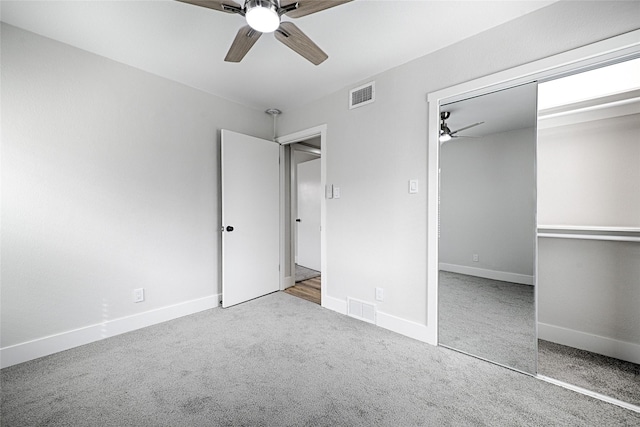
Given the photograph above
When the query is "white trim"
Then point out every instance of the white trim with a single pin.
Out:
(589, 237)
(45, 346)
(405, 327)
(335, 304)
(291, 138)
(320, 130)
(504, 276)
(622, 46)
(590, 393)
(590, 228)
(622, 350)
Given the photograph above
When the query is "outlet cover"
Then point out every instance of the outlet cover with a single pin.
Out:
(379, 294)
(476, 258)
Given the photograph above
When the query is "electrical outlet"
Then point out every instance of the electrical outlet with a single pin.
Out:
(379, 294)
(138, 295)
(476, 258)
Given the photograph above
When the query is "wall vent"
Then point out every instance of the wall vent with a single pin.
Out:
(362, 95)
(361, 310)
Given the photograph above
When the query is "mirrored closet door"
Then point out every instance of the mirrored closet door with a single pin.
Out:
(539, 245)
(487, 227)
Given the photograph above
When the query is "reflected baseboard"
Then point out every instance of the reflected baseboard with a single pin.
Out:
(622, 350)
(503, 276)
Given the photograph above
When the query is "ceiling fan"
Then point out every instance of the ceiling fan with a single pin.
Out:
(446, 134)
(264, 16)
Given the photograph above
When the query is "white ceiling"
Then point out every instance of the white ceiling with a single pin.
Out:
(187, 44)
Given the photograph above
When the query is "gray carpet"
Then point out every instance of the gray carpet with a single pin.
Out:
(595, 372)
(304, 273)
(282, 361)
(488, 318)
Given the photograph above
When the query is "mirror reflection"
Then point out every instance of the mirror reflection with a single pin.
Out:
(487, 227)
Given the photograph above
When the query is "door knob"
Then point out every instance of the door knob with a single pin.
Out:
(229, 228)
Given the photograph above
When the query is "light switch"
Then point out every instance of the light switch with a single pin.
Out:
(413, 186)
(328, 191)
(336, 192)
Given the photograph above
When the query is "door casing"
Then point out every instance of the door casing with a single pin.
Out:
(286, 281)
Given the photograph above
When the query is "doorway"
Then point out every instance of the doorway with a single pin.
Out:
(306, 197)
(303, 249)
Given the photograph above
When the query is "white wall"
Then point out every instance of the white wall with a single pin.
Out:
(376, 233)
(589, 290)
(487, 204)
(589, 173)
(109, 183)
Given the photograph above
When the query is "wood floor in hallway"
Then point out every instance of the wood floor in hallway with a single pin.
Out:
(307, 289)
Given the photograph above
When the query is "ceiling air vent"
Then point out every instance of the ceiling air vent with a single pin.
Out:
(362, 95)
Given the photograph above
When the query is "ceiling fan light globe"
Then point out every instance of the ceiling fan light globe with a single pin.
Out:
(262, 16)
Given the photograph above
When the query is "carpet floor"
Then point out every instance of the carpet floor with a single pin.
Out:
(612, 377)
(488, 318)
(282, 361)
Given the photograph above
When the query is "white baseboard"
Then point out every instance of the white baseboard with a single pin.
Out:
(406, 327)
(622, 350)
(334, 304)
(40, 347)
(387, 321)
(504, 276)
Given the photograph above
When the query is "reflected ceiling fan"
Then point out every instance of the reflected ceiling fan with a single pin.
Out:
(263, 16)
(446, 134)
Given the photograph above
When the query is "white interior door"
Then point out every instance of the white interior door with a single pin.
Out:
(309, 199)
(250, 217)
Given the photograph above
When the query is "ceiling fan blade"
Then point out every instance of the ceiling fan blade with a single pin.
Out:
(289, 34)
(465, 128)
(223, 6)
(245, 39)
(307, 7)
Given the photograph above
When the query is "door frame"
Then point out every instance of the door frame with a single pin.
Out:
(615, 49)
(285, 196)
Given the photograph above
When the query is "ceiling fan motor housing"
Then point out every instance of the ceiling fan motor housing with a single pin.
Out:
(263, 15)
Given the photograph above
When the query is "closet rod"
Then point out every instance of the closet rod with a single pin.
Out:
(590, 237)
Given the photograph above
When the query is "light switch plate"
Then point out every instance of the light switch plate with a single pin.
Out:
(328, 191)
(413, 186)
